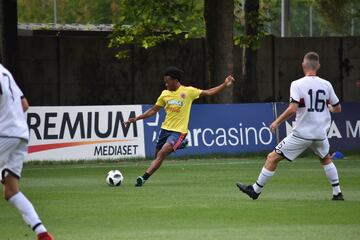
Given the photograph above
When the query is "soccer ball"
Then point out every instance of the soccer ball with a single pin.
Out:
(114, 178)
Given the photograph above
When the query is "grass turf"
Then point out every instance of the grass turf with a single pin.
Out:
(194, 199)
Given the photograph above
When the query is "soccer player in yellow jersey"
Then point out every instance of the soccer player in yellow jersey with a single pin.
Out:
(176, 101)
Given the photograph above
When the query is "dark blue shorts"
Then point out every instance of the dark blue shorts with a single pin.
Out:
(176, 139)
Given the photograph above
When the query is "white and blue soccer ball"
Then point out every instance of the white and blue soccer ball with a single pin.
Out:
(114, 178)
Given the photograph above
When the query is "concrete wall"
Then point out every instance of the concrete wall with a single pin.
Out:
(77, 68)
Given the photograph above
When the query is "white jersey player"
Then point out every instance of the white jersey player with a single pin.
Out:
(14, 135)
(312, 99)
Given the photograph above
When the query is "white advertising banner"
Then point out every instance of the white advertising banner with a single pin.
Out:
(84, 132)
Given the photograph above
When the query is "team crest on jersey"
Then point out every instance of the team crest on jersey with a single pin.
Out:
(183, 95)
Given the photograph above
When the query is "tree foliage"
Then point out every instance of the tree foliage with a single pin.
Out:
(35, 11)
(257, 20)
(69, 11)
(147, 23)
(337, 14)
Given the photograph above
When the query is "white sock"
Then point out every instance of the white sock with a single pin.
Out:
(332, 175)
(264, 176)
(28, 212)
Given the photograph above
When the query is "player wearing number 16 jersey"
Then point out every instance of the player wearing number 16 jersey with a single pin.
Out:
(312, 99)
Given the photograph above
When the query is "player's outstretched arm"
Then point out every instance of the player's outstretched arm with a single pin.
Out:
(229, 80)
(148, 113)
(291, 110)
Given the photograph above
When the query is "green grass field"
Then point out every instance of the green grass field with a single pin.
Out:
(193, 199)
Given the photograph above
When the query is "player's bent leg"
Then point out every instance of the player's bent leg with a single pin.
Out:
(268, 170)
(333, 177)
(16, 198)
(166, 150)
(140, 180)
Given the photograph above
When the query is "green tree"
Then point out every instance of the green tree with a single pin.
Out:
(338, 14)
(252, 22)
(147, 23)
(35, 11)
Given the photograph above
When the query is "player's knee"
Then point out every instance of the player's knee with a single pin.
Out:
(8, 193)
(273, 158)
(10, 188)
(269, 158)
(166, 150)
(161, 155)
(327, 160)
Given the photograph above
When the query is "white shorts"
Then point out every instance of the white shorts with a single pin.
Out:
(12, 155)
(291, 147)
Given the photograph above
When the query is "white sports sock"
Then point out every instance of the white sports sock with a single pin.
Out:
(28, 212)
(332, 175)
(264, 176)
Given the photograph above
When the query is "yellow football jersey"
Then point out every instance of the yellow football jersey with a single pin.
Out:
(177, 105)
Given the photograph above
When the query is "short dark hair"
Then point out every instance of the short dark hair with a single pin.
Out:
(312, 59)
(174, 72)
(312, 56)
